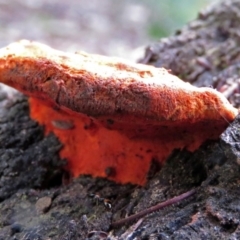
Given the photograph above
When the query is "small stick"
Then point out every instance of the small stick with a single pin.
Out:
(132, 229)
(153, 208)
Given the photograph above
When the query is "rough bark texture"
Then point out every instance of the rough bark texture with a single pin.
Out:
(206, 53)
(27, 158)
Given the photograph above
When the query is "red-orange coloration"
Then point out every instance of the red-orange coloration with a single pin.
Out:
(113, 117)
(92, 149)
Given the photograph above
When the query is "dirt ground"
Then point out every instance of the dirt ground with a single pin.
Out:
(38, 200)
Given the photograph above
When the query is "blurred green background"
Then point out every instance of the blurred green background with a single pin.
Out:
(109, 27)
(169, 15)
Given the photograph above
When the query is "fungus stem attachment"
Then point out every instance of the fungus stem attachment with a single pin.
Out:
(153, 208)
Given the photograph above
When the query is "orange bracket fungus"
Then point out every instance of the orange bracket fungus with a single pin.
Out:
(112, 116)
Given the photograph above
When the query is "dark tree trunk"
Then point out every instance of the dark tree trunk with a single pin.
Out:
(38, 201)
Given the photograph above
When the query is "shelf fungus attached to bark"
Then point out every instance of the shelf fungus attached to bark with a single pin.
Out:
(113, 117)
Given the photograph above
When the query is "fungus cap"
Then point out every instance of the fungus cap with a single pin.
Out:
(112, 116)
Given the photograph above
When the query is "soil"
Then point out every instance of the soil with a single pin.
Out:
(39, 200)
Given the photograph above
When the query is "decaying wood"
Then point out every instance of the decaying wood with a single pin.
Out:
(206, 53)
